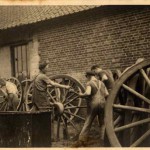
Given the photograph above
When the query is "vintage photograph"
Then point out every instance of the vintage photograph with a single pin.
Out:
(74, 76)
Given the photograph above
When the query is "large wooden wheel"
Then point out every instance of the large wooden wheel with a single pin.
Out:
(66, 102)
(3, 101)
(25, 85)
(69, 99)
(128, 120)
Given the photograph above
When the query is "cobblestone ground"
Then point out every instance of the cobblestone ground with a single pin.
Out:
(93, 139)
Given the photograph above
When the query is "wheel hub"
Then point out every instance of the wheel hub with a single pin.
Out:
(59, 108)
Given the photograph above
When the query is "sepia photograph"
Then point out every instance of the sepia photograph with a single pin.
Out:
(74, 76)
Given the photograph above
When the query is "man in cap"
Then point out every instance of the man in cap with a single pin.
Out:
(40, 84)
(10, 91)
(104, 75)
(96, 93)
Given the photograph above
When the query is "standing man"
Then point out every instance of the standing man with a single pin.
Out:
(104, 75)
(11, 92)
(96, 93)
(40, 84)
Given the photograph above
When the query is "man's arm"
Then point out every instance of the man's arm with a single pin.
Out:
(50, 82)
(87, 92)
(59, 85)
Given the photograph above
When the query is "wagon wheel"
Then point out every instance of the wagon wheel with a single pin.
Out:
(25, 85)
(130, 109)
(3, 101)
(19, 87)
(67, 103)
(69, 99)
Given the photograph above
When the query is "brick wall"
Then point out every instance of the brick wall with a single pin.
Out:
(113, 36)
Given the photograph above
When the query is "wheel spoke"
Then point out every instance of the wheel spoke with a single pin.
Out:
(136, 93)
(131, 108)
(30, 95)
(2, 101)
(145, 76)
(70, 96)
(6, 106)
(71, 100)
(70, 110)
(24, 108)
(73, 107)
(63, 121)
(20, 107)
(3, 105)
(71, 104)
(58, 127)
(71, 122)
(131, 125)
(72, 84)
(141, 139)
(73, 110)
(119, 118)
(51, 97)
(77, 116)
(50, 92)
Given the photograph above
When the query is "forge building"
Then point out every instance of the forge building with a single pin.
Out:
(72, 38)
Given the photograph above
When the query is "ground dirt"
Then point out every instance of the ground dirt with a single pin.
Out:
(93, 138)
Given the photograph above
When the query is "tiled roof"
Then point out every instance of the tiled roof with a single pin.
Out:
(12, 16)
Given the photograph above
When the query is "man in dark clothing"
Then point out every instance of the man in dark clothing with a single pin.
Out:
(41, 82)
(96, 93)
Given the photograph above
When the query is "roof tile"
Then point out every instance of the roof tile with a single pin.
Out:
(12, 16)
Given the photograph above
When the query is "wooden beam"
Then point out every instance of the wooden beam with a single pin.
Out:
(136, 93)
(131, 108)
(131, 125)
(141, 139)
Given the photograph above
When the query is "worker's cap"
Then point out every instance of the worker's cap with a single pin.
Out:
(90, 73)
(2, 82)
(95, 67)
(43, 64)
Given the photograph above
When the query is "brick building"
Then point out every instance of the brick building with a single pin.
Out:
(73, 38)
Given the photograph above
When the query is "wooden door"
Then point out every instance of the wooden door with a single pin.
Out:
(20, 59)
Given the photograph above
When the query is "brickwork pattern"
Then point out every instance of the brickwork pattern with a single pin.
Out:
(112, 36)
